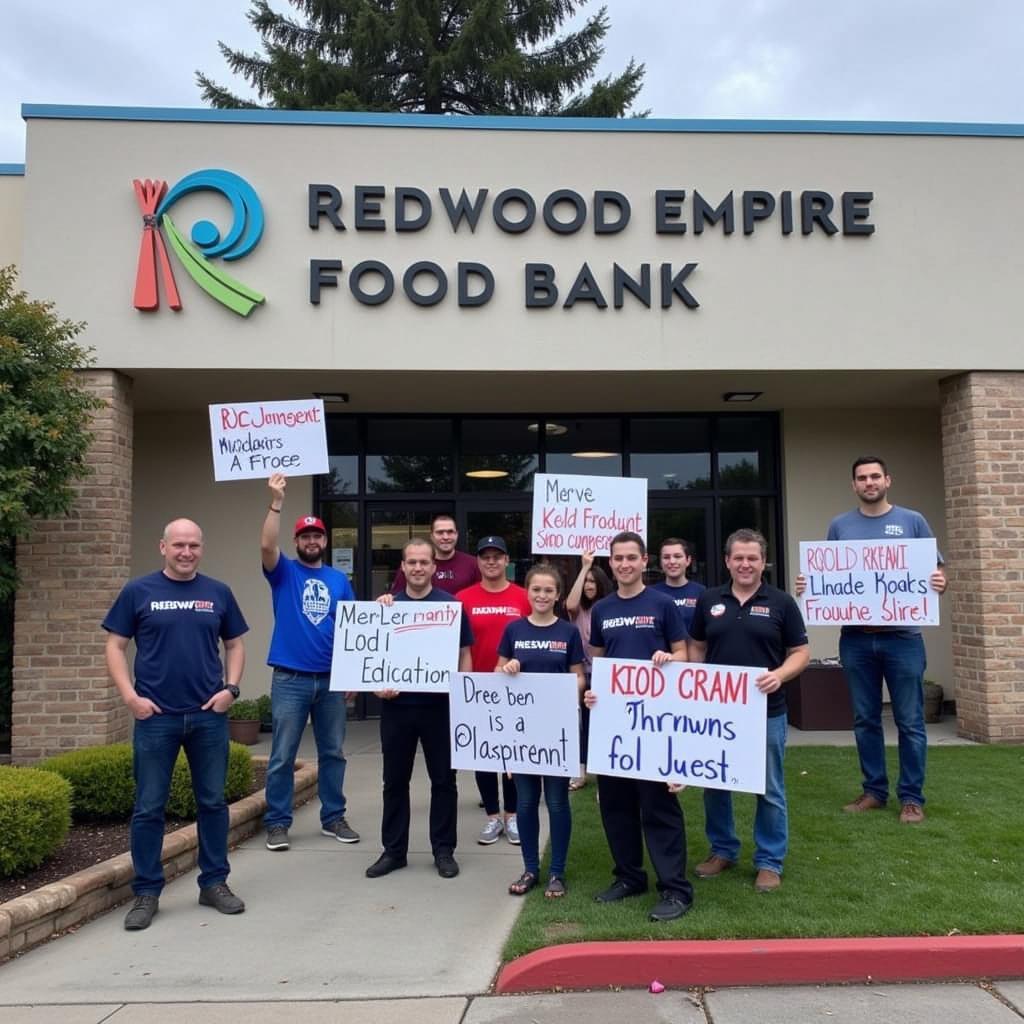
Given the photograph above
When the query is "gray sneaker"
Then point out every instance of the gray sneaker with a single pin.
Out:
(491, 832)
(341, 831)
(221, 898)
(142, 913)
(512, 829)
(277, 838)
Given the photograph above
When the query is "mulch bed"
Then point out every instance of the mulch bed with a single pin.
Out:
(91, 843)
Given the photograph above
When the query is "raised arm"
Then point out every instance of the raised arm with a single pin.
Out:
(572, 599)
(270, 536)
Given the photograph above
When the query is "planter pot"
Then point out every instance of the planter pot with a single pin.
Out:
(932, 702)
(244, 731)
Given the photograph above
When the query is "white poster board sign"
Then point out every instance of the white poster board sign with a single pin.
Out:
(251, 440)
(409, 645)
(573, 514)
(869, 582)
(701, 725)
(527, 723)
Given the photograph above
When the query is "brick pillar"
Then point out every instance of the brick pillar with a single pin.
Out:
(982, 441)
(71, 570)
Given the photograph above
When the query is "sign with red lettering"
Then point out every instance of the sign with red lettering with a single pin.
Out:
(573, 514)
(255, 439)
(701, 725)
(869, 582)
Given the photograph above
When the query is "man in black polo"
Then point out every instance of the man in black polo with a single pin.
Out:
(750, 622)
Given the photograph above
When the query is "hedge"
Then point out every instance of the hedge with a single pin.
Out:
(182, 804)
(35, 815)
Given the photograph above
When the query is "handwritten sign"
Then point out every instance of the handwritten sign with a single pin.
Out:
(409, 646)
(525, 723)
(701, 725)
(255, 439)
(869, 582)
(573, 514)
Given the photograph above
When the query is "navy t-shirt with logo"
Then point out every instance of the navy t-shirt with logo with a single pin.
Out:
(685, 597)
(552, 648)
(636, 627)
(305, 602)
(177, 626)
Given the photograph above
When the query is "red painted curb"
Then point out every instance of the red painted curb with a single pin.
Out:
(598, 965)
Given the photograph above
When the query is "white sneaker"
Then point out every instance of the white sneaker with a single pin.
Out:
(491, 832)
(512, 830)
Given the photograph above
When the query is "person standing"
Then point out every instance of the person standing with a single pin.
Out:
(305, 595)
(454, 570)
(637, 622)
(750, 622)
(870, 654)
(490, 606)
(408, 719)
(179, 697)
(542, 642)
(676, 558)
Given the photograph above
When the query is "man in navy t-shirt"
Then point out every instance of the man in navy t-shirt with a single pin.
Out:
(637, 622)
(305, 594)
(675, 561)
(408, 719)
(179, 697)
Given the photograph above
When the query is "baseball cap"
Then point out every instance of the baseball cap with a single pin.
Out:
(307, 524)
(492, 542)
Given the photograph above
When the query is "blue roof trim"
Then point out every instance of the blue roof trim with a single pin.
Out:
(534, 124)
(12, 170)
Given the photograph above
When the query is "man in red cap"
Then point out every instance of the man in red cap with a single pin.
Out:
(305, 594)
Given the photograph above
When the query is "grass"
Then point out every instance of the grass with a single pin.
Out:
(845, 875)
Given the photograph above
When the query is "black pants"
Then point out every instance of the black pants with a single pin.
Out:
(634, 811)
(402, 726)
(584, 726)
(487, 783)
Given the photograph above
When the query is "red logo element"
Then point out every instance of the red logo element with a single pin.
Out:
(147, 296)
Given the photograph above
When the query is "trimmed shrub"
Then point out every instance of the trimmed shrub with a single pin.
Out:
(182, 804)
(244, 711)
(101, 780)
(264, 706)
(35, 815)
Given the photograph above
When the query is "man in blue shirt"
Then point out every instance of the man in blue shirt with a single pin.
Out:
(676, 557)
(871, 653)
(179, 697)
(305, 593)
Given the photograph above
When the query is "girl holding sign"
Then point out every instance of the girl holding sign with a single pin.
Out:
(542, 642)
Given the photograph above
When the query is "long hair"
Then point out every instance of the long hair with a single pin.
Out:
(601, 581)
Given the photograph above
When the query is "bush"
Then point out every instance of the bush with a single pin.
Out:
(101, 780)
(35, 815)
(182, 804)
(244, 711)
(263, 704)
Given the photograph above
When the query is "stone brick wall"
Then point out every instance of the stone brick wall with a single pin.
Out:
(71, 570)
(983, 463)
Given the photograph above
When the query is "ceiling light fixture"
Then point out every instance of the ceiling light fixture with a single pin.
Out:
(550, 429)
(487, 474)
(742, 396)
(594, 455)
(337, 397)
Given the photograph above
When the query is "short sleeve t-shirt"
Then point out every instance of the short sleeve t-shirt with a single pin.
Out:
(552, 648)
(465, 640)
(757, 633)
(489, 612)
(636, 627)
(685, 597)
(451, 576)
(305, 601)
(177, 626)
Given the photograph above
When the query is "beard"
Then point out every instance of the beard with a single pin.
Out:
(310, 556)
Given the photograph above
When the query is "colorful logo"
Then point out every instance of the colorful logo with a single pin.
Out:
(155, 201)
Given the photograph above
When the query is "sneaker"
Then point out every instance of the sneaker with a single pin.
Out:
(142, 913)
(277, 838)
(340, 830)
(865, 802)
(491, 832)
(512, 829)
(668, 908)
(713, 866)
(446, 864)
(767, 880)
(384, 865)
(618, 891)
(911, 814)
(221, 898)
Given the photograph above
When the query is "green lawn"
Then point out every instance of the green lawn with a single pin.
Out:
(962, 870)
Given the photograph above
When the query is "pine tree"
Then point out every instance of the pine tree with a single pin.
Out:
(429, 56)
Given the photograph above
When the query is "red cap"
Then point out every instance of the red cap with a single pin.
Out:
(307, 524)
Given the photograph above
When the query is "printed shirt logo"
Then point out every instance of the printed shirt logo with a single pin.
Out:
(559, 646)
(496, 609)
(181, 606)
(636, 621)
(760, 609)
(718, 610)
(316, 601)
(894, 530)
(686, 602)
(155, 200)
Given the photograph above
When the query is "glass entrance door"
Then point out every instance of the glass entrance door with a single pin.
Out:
(388, 528)
(689, 519)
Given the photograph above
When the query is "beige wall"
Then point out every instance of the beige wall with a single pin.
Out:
(12, 198)
(818, 450)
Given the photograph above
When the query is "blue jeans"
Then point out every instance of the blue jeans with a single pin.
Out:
(900, 658)
(157, 740)
(771, 819)
(556, 796)
(294, 698)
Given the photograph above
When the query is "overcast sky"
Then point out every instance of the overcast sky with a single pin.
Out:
(918, 60)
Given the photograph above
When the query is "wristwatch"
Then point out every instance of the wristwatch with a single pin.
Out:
(233, 690)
